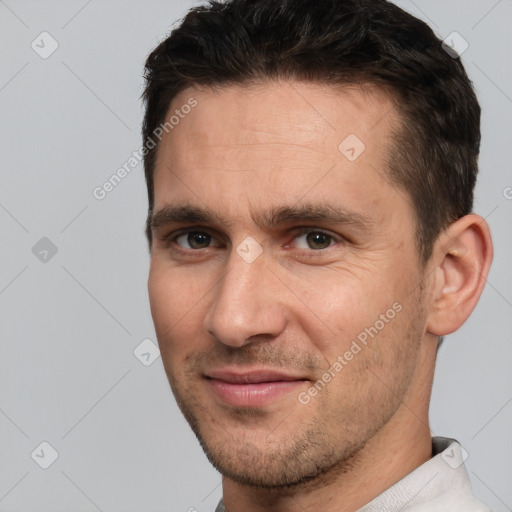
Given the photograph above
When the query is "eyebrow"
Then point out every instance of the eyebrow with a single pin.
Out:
(189, 214)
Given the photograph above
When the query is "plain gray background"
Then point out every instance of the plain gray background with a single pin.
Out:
(70, 323)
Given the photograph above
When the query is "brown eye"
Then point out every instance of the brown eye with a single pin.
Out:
(194, 240)
(313, 239)
(318, 240)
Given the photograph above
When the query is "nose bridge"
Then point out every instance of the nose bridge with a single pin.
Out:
(244, 303)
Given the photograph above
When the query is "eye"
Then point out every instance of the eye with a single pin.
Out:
(194, 240)
(313, 239)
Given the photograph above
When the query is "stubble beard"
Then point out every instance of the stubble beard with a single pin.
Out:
(300, 451)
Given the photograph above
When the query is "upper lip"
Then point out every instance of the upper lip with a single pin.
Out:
(240, 376)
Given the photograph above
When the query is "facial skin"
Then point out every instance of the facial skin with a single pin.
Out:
(244, 155)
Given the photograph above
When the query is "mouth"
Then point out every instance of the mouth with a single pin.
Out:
(252, 388)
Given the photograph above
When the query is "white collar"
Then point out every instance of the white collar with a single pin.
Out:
(439, 485)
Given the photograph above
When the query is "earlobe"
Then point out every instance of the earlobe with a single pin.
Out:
(463, 255)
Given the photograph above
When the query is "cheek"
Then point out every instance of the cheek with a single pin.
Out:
(341, 306)
(176, 302)
(376, 372)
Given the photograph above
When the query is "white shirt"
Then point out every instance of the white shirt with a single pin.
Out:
(439, 485)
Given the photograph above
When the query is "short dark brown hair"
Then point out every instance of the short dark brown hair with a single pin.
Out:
(433, 156)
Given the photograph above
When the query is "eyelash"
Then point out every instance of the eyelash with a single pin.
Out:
(171, 239)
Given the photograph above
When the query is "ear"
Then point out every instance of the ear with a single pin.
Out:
(462, 257)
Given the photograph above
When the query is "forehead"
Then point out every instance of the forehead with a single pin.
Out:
(276, 142)
(316, 117)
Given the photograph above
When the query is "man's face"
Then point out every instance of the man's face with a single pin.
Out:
(257, 290)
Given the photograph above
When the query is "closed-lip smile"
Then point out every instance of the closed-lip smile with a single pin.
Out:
(251, 387)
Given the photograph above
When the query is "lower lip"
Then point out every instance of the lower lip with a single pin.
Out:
(255, 394)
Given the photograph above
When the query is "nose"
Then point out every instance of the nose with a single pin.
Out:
(247, 304)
